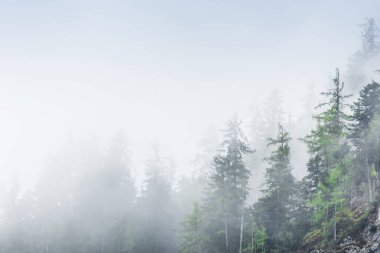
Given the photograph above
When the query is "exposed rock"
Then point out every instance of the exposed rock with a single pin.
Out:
(361, 236)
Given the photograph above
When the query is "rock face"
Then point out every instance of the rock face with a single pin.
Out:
(365, 240)
(370, 237)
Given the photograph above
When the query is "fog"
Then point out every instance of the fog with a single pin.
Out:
(166, 76)
(161, 71)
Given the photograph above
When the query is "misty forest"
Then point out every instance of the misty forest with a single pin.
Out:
(241, 195)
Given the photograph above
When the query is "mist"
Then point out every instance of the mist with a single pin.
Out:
(119, 119)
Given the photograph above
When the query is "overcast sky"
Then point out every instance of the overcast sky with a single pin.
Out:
(162, 70)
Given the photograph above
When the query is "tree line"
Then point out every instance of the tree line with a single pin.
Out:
(87, 200)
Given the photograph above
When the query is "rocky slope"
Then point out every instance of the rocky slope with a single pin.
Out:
(359, 232)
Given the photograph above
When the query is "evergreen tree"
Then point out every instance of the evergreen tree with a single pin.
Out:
(193, 232)
(157, 220)
(329, 161)
(263, 124)
(370, 37)
(273, 210)
(119, 193)
(227, 192)
(256, 236)
(324, 141)
(364, 110)
(366, 60)
(363, 135)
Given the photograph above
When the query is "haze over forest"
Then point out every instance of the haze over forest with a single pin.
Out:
(198, 126)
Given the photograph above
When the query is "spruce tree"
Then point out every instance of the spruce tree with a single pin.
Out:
(227, 191)
(273, 210)
(193, 232)
(157, 220)
(364, 131)
(367, 59)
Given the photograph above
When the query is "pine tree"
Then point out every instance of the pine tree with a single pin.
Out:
(366, 60)
(263, 124)
(370, 37)
(193, 232)
(157, 220)
(324, 141)
(363, 135)
(329, 161)
(257, 237)
(119, 193)
(273, 209)
(228, 191)
(364, 110)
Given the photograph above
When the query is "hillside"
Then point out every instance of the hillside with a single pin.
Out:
(358, 232)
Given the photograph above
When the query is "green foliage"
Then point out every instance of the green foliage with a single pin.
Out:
(273, 211)
(193, 232)
(257, 238)
(329, 162)
(95, 206)
(227, 191)
(365, 137)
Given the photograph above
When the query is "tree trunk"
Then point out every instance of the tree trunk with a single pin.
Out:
(253, 249)
(226, 232)
(369, 178)
(335, 222)
(197, 237)
(370, 189)
(241, 230)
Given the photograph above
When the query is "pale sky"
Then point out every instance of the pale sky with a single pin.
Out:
(161, 70)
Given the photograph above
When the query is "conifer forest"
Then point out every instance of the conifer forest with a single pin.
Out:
(189, 127)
